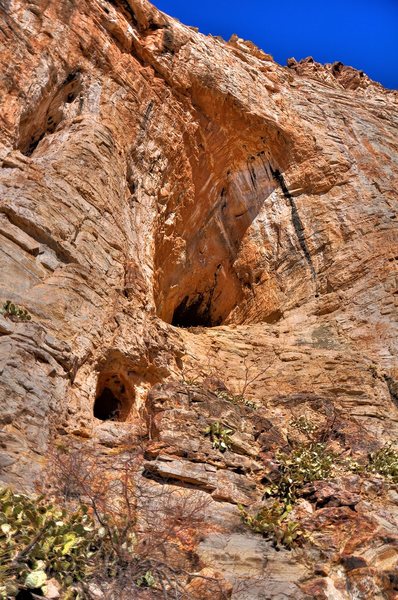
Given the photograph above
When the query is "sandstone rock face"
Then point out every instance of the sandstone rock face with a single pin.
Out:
(176, 209)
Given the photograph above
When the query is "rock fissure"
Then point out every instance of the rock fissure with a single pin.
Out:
(296, 220)
(126, 7)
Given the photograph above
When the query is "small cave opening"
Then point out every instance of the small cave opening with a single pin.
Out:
(114, 399)
(106, 406)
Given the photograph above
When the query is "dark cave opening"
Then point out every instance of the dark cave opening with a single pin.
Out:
(107, 407)
(207, 264)
(193, 313)
(28, 595)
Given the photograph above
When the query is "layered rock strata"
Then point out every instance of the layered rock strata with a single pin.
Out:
(175, 207)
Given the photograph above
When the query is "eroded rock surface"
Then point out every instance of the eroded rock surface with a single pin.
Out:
(176, 210)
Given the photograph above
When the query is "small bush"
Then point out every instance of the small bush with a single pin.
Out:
(385, 463)
(14, 312)
(220, 436)
(236, 399)
(149, 532)
(39, 541)
(146, 580)
(303, 425)
(273, 523)
(102, 530)
(307, 462)
(303, 465)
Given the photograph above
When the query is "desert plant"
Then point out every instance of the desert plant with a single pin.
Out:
(220, 436)
(385, 463)
(350, 464)
(40, 540)
(273, 523)
(236, 399)
(14, 312)
(146, 580)
(199, 377)
(251, 373)
(150, 531)
(303, 425)
(306, 463)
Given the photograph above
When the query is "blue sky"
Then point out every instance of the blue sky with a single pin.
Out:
(360, 33)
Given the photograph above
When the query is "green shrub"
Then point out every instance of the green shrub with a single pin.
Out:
(307, 463)
(273, 523)
(220, 436)
(120, 544)
(14, 312)
(303, 425)
(352, 465)
(304, 464)
(385, 463)
(236, 399)
(39, 541)
(146, 580)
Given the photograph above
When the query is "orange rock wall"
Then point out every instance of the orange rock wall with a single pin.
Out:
(152, 177)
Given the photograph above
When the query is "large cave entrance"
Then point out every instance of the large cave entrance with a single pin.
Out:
(201, 280)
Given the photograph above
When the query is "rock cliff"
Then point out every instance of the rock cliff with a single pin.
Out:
(201, 236)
